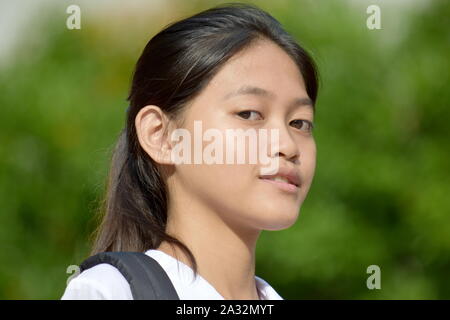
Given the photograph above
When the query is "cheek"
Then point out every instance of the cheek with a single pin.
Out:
(308, 164)
(220, 181)
(310, 159)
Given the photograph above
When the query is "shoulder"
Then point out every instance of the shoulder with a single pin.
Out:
(103, 281)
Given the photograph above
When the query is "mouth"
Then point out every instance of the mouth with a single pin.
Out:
(289, 184)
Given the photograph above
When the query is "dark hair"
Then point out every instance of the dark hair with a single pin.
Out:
(176, 64)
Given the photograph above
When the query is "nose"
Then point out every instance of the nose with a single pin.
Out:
(287, 146)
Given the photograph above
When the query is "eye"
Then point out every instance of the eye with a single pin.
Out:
(304, 125)
(247, 114)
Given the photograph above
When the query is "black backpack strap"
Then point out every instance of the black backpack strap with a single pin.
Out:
(147, 279)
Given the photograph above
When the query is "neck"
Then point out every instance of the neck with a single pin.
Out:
(223, 249)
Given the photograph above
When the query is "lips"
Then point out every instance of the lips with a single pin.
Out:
(284, 175)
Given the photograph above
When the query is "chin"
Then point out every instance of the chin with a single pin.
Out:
(274, 221)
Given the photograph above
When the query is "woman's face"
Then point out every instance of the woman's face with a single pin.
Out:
(236, 191)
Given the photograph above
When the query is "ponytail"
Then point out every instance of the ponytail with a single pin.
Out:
(134, 207)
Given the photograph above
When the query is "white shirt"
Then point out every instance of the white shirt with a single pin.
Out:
(104, 281)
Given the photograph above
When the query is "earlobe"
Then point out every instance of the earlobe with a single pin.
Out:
(151, 128)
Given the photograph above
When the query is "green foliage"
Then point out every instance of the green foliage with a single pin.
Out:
(380, 194)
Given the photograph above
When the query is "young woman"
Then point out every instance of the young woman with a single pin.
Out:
(229, 67)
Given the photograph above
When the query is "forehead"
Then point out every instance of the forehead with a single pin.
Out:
(264, 64)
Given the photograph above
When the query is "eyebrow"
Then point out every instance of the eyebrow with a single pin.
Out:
(252, 90)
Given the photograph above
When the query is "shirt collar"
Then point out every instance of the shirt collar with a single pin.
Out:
(182, 277)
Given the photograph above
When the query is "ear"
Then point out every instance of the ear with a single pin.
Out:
(152, 126)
